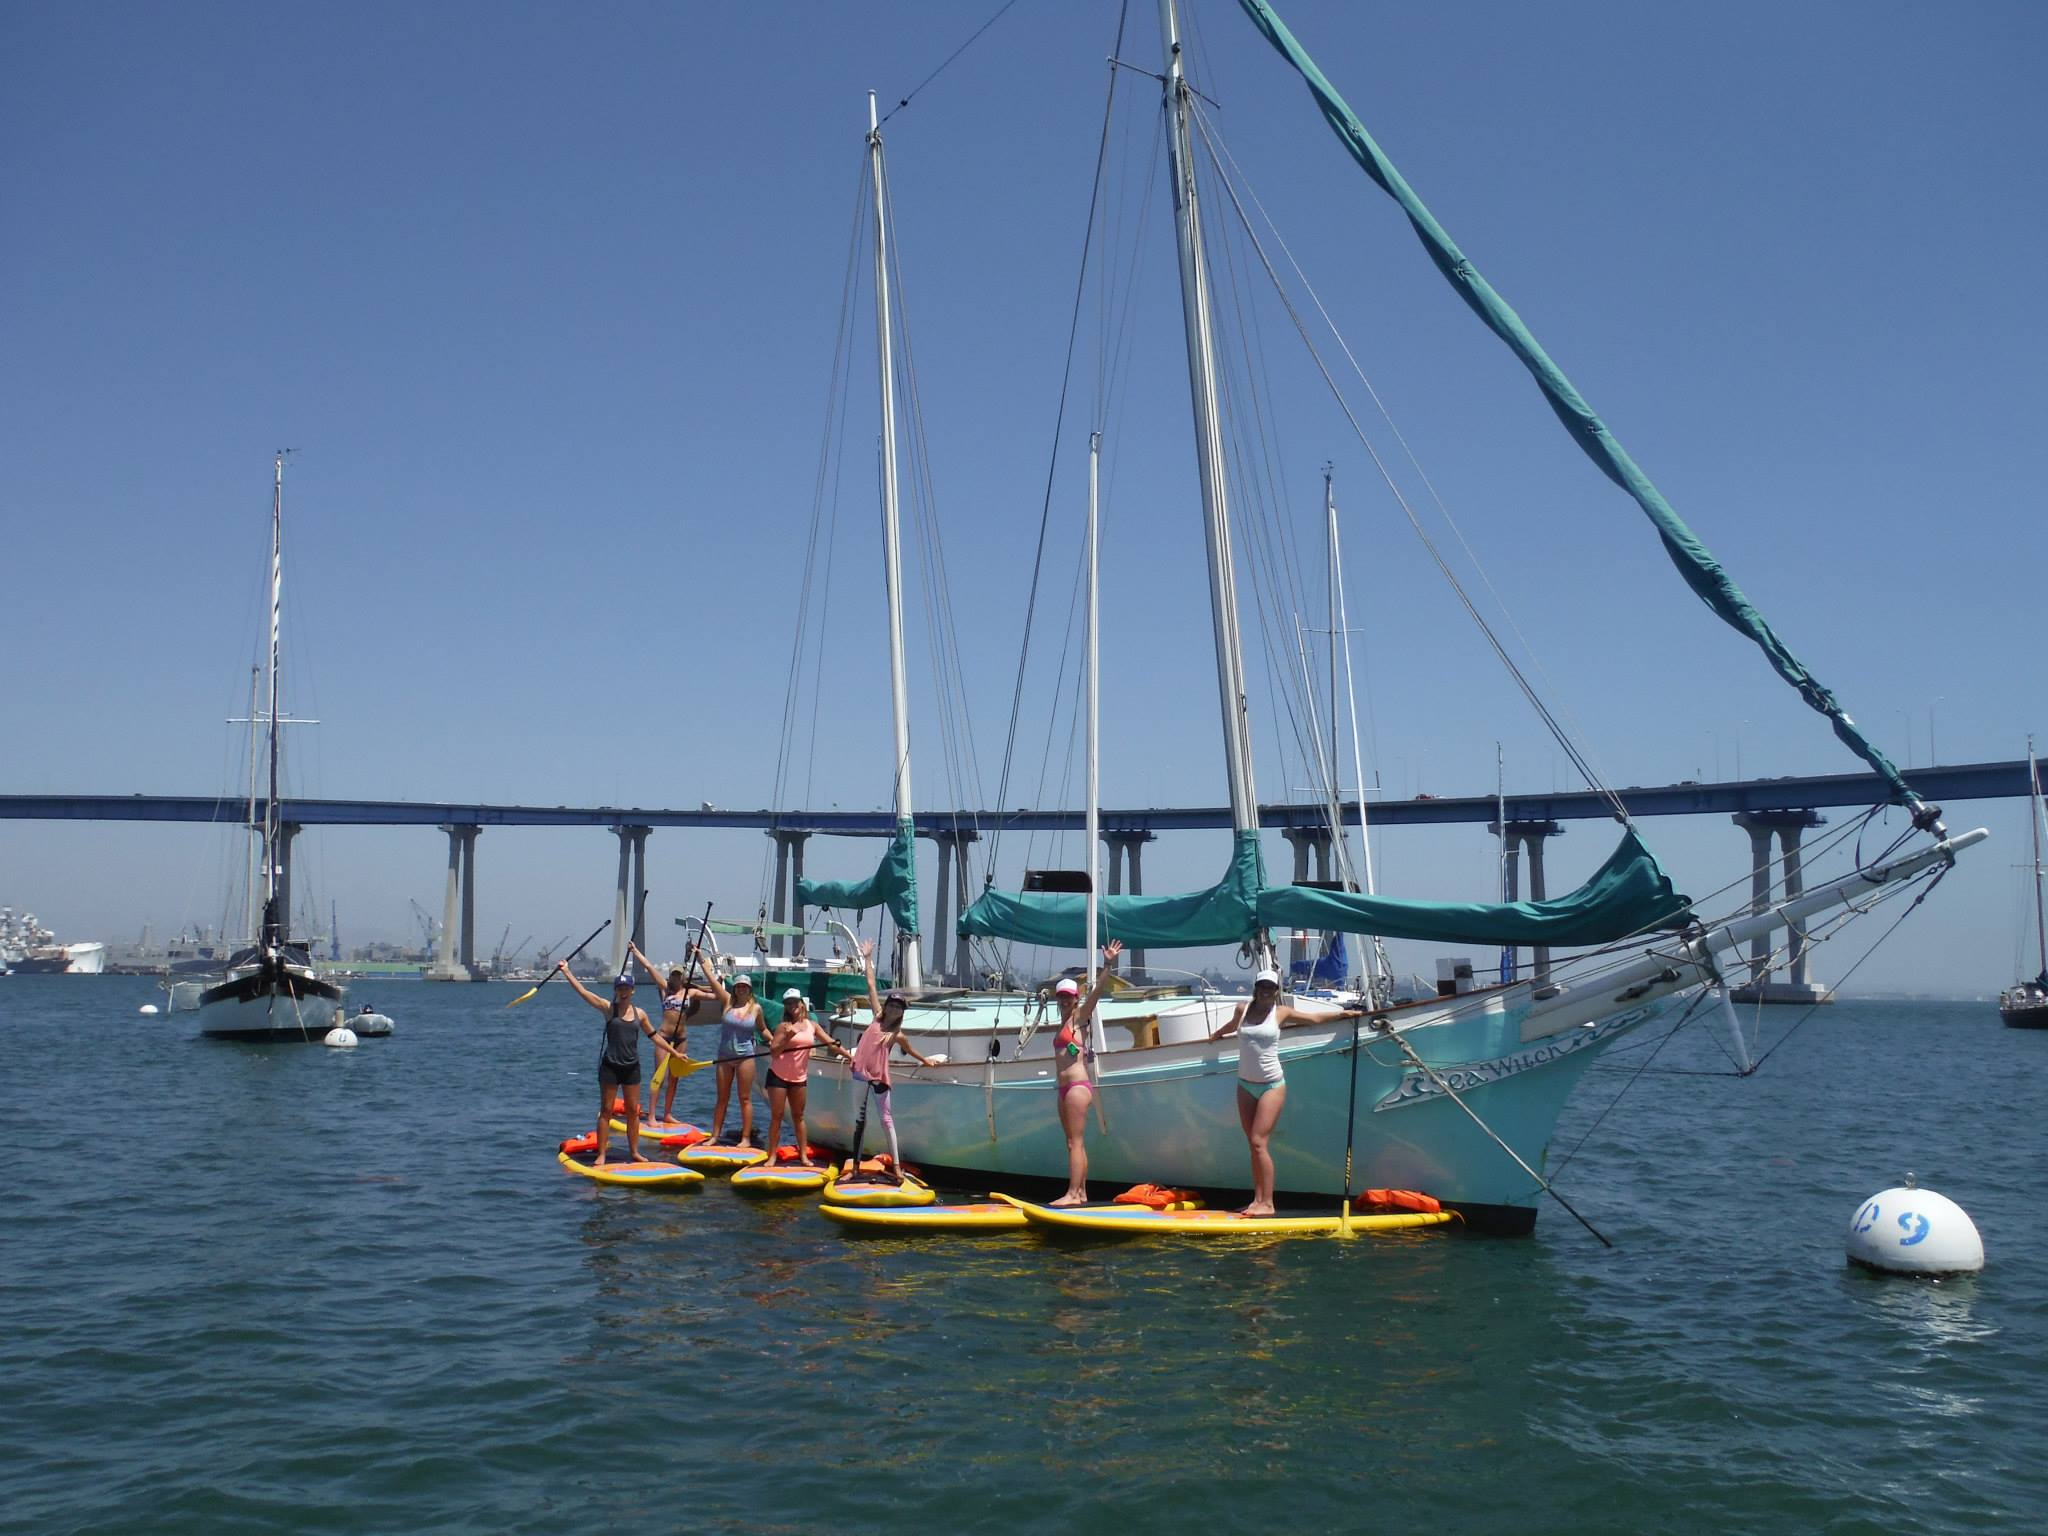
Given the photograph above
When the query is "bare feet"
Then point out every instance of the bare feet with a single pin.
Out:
(1070, 1198)
(1256, 1209)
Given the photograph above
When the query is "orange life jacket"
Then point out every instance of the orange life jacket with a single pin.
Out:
(1397, 1200)
(1157, 1196)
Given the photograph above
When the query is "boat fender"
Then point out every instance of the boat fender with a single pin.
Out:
(1398, 1200)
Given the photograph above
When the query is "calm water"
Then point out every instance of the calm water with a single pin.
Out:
(282, 1288)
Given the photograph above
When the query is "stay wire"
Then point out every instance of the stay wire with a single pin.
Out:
(949, 58)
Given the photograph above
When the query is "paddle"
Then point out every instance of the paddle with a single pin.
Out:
(680, 1069)
(522, 997)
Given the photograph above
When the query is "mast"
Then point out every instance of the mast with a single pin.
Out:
(1101, 1041)
(909, 966)
(2034, 825)
(273, 920)
(1377, 967)
(1195, 315)
(251, 921)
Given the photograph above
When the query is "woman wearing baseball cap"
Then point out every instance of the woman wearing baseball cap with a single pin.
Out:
(618, 1064)
(741, 1033)
(789, 1070)
(1261, 1085)
(1070, 1048)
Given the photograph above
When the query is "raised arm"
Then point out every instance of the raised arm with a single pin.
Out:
(582, 991)
(718, 992)
(646, 964)
(1110, 951)
(867, 964)
(1236, 1018)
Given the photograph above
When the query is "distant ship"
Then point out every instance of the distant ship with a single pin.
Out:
(27, 948)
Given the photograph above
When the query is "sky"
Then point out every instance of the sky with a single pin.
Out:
(547, 301)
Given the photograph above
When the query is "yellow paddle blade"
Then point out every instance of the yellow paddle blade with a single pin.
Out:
(683, 1068)
(522, 997)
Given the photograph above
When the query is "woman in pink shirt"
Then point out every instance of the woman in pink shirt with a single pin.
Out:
(789, 1070)
(883, 1036)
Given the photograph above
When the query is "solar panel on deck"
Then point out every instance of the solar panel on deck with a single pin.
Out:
(1072, 881)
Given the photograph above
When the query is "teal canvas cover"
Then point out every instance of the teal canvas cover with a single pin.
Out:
(1226, 913)
(1702, 572)
(893, 884)
(1628, 895)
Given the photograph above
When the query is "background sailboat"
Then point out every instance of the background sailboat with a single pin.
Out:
(2024, 1005)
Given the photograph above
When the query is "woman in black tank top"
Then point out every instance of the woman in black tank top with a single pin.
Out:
(618, 1062)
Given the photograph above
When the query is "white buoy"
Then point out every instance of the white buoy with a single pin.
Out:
(148, 1008)
(341, 1037)
(1911, 1231)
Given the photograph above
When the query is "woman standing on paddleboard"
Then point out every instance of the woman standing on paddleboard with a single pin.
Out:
(1070, 1048)
(618, 1065)
(789, 1070)
(870, 1060)
(678, 1000)
(741, 1033)
(1261, 1085)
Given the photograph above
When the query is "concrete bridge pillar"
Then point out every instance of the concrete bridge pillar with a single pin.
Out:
(1529, 836)
(1790, 828)
(1127, 851)
(942, 918)
(458, 909)
(963, 951)
(630, 896)
(286, 832)
(778, 904)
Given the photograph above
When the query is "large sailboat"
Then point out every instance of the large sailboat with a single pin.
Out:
(2024, 1004)
(1459, 1095)
(271, 990)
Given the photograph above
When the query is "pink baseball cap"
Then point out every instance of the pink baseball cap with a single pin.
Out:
(1068, 987)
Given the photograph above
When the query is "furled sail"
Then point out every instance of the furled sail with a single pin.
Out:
(1225, 913)
(893, 884)
(1702, 572)
(1628, 895)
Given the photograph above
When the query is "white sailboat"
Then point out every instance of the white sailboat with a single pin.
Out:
(1457, 1096)
(2024, 1004)
(271, 990)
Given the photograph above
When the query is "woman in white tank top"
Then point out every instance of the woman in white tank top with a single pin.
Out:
(1261, 1085)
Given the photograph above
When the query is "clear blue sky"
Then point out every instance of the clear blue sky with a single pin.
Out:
(545, 297)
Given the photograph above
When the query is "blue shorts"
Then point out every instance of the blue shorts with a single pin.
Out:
(1260, 1090)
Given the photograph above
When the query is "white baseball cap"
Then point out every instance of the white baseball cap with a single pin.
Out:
(1068, 987)
(793, 995)
(1265, 976)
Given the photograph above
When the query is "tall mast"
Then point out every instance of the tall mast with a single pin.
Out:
(273, 920)
(252, 921)
(1094, 722)
(1194, 296)
(2034, 823)
(910, 962)
(1376, 966)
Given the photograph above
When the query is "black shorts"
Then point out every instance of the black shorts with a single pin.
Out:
(609, 1076)
(777, 1081)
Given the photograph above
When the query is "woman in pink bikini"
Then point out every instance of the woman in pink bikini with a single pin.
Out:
(789, 1070)
(1070, 1048)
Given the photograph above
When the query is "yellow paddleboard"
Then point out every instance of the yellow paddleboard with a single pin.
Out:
(663, 1133)
(645, 1174)
(1138, 1220)
(710, 1159)
(871, 1192)
(779, 1179)
(988, 1216)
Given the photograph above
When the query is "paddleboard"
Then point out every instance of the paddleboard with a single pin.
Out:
(666, 1133)
(879, 1192)
(987, 1216)
(1136, 1220)
(712, 1159)
(779, 1179)
(645, 1174)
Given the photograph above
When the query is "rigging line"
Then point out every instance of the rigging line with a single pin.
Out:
(835, 386)
(1436, 1077)
(1939, 872)
(1414, 461)
(1001, 10)
(1669, 1036)
(1543, 713)
(1059, 423)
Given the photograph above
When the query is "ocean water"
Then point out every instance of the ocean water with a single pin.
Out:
(288, 1289)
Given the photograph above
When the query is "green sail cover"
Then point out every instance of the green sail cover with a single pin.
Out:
(1226, 913)
(893, 884)
(1627, 895)
(1702, 572)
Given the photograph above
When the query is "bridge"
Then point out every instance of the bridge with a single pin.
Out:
(1780, 807)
